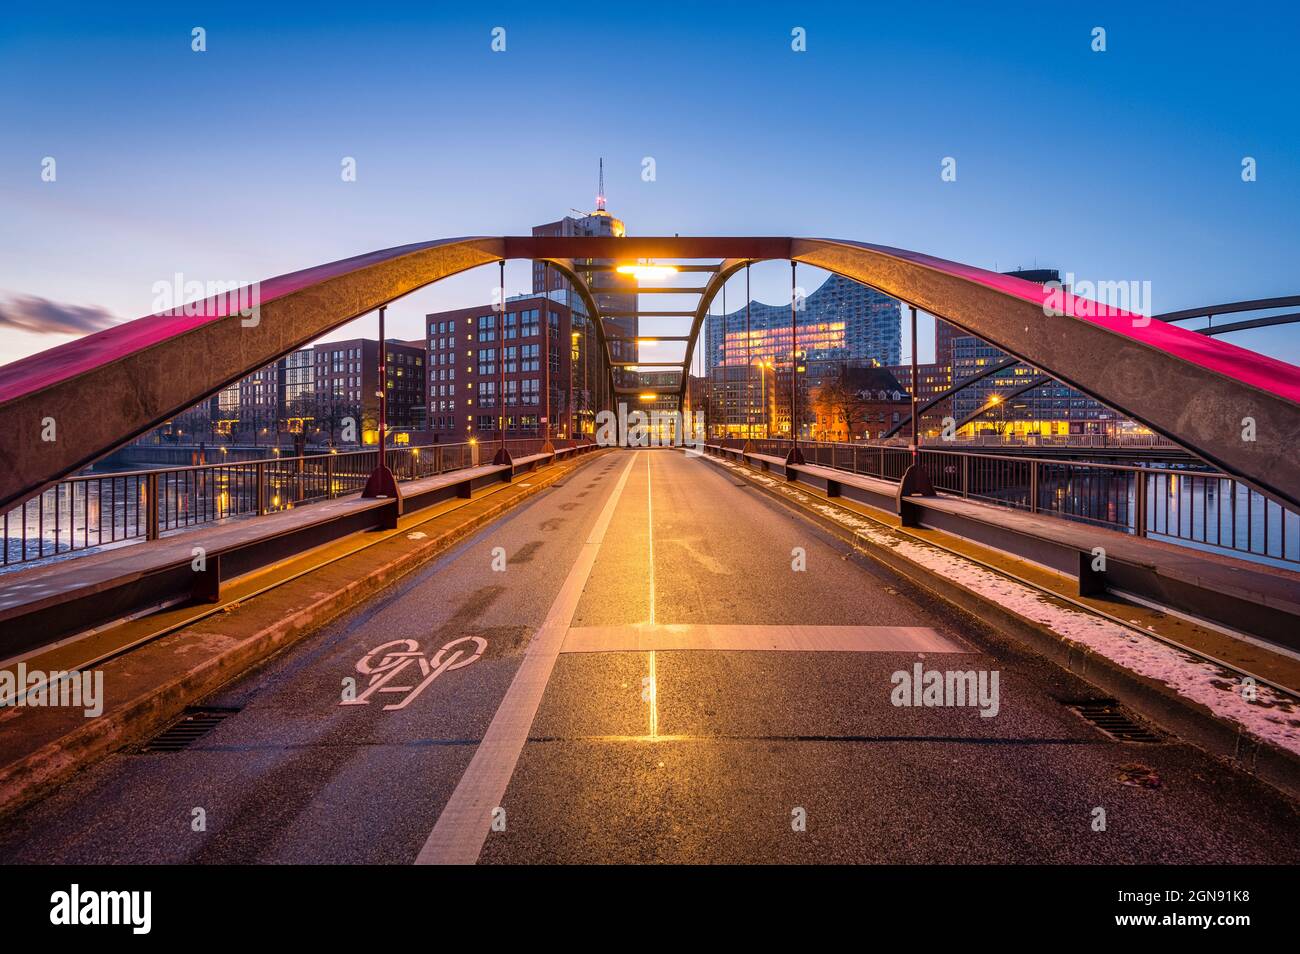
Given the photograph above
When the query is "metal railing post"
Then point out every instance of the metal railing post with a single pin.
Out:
(261, 489)
(151, 506)
(1140, 503)
(1033, 486)
(965, 476)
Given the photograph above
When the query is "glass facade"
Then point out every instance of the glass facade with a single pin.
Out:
(842, 320)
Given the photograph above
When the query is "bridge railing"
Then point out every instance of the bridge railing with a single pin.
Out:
(96, 510)
(1201, 507)
(1099, 441)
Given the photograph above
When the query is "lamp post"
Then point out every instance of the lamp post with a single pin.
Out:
(916, 440)
(547, 446)
(381, 482)
(749, 362)
(503, 456)
(794, 457)
(763, 367)
(586, 380)
(915, 481)
(573, 353)
(383, 390)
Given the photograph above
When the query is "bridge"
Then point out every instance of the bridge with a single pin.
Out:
(524, 650)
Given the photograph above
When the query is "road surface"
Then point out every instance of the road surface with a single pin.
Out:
(597, 724)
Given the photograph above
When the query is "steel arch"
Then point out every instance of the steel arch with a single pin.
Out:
(108, 388)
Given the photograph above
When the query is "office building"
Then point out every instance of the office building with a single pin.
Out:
(464, 376)
(842, 320)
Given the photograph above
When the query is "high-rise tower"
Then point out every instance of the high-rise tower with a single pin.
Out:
(615, 294)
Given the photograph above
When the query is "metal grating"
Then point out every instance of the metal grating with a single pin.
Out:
(191, 727)
(1107, 716)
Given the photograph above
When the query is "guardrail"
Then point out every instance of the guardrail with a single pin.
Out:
(1105, 441)
(1176, 504)
(96, 510)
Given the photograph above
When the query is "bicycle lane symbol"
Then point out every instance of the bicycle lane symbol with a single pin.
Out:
(385, 663)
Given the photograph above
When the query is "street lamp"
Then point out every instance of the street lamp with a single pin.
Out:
(647, 270)
(794, 457)
(573, 356)
(763, 368)
(996, 401)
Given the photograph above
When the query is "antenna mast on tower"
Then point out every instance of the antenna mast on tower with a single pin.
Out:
(600, 194)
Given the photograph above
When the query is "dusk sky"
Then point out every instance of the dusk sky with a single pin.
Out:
(523, 585)
(225, 165)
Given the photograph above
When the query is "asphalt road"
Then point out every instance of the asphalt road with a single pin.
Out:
(614, 744)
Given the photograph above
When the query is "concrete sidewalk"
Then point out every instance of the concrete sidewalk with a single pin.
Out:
(1213, 586)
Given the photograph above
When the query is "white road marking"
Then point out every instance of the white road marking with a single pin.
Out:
(650, 534)
(385, 662)
(650, 537)
(654, 698)
(794, 638)
(461, 829)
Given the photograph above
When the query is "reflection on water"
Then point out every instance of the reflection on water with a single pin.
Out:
(92, 512)
(1204, 511)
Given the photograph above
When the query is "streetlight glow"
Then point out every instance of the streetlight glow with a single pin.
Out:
(645, 270)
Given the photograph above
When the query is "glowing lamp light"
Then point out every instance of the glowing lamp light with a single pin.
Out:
(644, 271)
(648, 396)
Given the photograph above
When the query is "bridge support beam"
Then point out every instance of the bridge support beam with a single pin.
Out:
(915, 483)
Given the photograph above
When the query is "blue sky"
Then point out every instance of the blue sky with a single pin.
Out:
(224, 165)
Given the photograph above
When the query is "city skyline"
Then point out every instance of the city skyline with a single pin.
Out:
(130, 215)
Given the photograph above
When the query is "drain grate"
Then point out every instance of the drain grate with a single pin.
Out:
(1107, 715)
(191, 727)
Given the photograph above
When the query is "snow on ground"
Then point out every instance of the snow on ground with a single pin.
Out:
(1272, 716)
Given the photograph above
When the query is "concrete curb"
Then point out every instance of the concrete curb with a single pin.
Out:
(35, 775)
(1184, 718)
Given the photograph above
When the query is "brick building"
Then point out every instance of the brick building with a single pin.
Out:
(464, 373)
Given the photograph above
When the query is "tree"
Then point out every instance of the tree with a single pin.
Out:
(839, 410)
